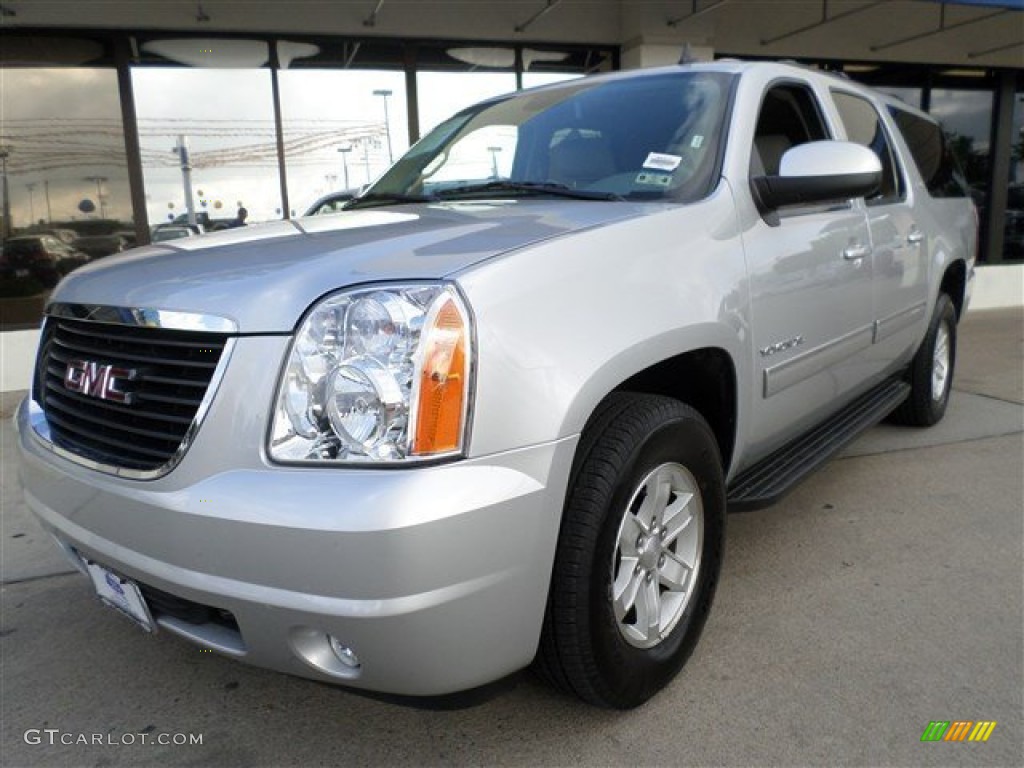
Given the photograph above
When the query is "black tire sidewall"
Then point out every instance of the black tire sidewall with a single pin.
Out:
(632, 674)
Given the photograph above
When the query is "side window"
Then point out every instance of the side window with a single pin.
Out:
(934, 160)
(864, 126)
(789, 116)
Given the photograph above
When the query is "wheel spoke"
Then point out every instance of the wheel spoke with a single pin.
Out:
(686, 545)
(648, 610)
(677, 518)
(675, 573)
(655, 501)
(629, 534)
(625, 588)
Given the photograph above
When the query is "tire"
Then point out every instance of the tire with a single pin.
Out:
(931, 371)
(611, 543)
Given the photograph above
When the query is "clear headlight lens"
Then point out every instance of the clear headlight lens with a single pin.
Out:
(376, 375)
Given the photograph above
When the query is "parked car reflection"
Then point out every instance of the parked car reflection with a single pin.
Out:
(331, 203)
(163, 234)
(98, 246)
(43, 258)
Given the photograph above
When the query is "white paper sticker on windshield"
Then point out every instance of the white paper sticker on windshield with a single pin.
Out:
(697, 141)
(659, 162)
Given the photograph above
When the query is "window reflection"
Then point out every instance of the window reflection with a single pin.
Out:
(334, 129)
(910, 96)
(225, 118)
(1013, 234)
(966, 118)
(65, 181)
(442, 94)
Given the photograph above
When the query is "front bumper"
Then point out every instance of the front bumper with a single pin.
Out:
(436, 577)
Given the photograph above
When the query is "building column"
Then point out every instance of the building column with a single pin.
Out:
(412, 99)
(132, 150)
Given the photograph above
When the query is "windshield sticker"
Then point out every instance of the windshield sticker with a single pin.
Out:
(659, 162)
(697, 141)
(656, 179)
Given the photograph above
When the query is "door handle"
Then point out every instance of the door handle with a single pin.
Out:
(856, 252)
(916, 236)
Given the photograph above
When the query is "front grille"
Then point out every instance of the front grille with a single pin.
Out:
(171, 371)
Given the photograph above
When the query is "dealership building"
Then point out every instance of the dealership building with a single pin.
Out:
(118, 116)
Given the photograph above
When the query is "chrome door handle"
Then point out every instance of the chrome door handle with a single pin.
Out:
(856, 252)
(916, 236)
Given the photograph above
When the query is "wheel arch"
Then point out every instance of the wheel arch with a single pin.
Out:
(705, 378)
(954, 285)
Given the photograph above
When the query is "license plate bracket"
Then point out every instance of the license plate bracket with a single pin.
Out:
(120, 593)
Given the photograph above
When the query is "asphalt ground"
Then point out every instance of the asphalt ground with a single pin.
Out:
(885, 593)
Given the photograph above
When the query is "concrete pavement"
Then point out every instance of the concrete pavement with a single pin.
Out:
(884, 593)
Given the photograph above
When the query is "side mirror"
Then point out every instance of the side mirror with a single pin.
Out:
(819, 172)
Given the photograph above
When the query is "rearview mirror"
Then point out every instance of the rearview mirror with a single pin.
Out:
(819, 172)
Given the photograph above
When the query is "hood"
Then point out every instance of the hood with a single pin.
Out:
(264, 277)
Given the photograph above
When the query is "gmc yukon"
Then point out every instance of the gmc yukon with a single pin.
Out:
(494, 412)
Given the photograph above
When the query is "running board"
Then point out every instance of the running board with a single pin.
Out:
(774, 476)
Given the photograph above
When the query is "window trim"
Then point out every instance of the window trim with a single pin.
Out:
(774, 218)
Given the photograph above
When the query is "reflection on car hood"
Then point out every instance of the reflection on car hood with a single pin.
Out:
(264, 277)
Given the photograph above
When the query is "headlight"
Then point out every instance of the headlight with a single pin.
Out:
(376, 375)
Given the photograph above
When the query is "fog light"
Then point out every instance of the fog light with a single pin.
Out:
(345, 654)
(325, 653)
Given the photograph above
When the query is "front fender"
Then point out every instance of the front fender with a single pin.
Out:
(562, 324)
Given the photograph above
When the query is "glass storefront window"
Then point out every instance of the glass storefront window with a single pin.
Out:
(966, 118)
(910, 96)
(334, 129)
(1013, 234)
(442, 94)
(225, 118)
(66, 199)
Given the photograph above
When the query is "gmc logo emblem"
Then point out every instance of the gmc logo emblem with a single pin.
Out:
(96, 380)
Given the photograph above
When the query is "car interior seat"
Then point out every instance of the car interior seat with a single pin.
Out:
(579, 160)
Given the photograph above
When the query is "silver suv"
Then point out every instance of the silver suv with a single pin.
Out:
(495, 412)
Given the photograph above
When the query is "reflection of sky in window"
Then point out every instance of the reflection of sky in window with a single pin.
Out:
(227, 117)
(63, 127)
(967, 113)
(324, 111)
(443, 93)
(911, 96)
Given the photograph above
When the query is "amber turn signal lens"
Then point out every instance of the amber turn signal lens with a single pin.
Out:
(443, 382)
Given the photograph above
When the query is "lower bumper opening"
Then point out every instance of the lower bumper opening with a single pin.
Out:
(204, 624)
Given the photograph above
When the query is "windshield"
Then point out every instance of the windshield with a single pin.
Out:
(650, 138)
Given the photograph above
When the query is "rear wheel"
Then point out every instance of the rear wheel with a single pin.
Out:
(931, 372)
(639, 552)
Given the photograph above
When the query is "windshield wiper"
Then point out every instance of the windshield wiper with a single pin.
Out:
(386, 198)
(527, 187)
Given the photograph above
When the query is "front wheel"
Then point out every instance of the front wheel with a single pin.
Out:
(639, 552)
(931, 372)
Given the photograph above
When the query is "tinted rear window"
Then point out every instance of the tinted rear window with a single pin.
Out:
(931, 153)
